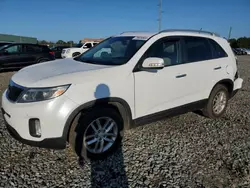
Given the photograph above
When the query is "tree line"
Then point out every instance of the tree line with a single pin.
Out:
(242, 42)
(58, 43)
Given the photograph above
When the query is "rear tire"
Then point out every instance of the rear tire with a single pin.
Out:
(96, 143)
(217, 102)
(42, 60)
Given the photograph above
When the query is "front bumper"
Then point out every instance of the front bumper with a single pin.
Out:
(65, 55)
(53, 115)
(50, 143)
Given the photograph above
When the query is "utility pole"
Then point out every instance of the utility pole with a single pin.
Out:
(160, 14)
(229, 34)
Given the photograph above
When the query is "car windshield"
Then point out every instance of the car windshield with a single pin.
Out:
(113, 51)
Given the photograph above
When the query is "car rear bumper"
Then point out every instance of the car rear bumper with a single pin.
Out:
(238, 84)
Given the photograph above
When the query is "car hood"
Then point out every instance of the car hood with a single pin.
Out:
(31, 76)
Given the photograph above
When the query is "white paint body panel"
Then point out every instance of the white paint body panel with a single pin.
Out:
(145, 92)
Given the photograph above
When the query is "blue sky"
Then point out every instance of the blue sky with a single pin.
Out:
(77, 19)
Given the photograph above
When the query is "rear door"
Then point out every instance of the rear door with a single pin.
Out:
(31, 52)
(198, 56)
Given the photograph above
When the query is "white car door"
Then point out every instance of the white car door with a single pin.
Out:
(159, 90)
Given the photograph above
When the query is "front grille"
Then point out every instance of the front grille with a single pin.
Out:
(14, 91)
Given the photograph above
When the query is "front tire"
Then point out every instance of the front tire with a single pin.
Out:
(76, 54)
(97, 133)
(217, 102)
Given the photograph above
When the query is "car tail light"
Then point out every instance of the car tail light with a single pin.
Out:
(52, 53)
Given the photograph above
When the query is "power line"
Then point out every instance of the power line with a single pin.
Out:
(160, 15)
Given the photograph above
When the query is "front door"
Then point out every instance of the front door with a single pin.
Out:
(10, 57)
(156, 91)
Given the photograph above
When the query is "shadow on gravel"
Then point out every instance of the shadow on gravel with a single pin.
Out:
(109, 172)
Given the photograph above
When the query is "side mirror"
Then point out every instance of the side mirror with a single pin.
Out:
(153, 63)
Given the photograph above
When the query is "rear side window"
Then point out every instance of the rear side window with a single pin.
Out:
(218, 51)
(45, 49)
(33, 48)
(197, 49)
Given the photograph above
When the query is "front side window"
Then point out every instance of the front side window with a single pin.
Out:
(113, 51)
(167, 49)
(13, 49)
(197, 49)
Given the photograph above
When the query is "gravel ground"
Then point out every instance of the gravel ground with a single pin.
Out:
(183, 151)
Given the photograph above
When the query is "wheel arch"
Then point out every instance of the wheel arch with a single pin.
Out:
(118, 104)
(42, 58)
(226, 82)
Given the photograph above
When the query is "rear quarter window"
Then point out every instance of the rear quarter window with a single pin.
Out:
(45, 49)
(218, 51)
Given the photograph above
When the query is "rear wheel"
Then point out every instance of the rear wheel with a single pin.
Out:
(217, 102)
(42, 60)
(97, 133)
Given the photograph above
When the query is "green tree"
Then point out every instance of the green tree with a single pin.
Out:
(233, 43)
(243, 42)
(60, 42)
(70, 43)
(43, 42)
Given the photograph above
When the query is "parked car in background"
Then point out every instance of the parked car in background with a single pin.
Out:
(18, 55)
(236, 51)
(77, 50)
(130, 79)
(242, 51)
(58, 50)
(248, 51)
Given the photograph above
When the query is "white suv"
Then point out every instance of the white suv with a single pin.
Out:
(130, 79)
(77, 50)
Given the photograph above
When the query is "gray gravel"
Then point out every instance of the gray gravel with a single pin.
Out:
(183, 151)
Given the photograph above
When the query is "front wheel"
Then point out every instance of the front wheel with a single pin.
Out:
(217, 102)
(97, 133)
(76, 54)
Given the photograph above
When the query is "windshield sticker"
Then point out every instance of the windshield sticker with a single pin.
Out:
(140, 38)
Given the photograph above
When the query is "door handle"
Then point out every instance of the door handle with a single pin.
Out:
(181, 75)
(217, 68)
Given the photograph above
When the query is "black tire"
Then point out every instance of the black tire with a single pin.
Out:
(76, 54)
(208, 111)
(42, 60)
(78, 128)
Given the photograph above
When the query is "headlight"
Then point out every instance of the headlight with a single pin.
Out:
(67, 51)
(41, 94)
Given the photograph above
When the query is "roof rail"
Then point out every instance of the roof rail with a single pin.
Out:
(190, 30)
